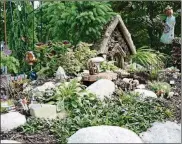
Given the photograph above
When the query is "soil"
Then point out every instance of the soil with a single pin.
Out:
(43, 137)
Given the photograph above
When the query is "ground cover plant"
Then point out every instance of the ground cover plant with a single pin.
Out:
(64, 36)
(124, 111)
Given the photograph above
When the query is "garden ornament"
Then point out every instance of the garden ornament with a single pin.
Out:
(93, 69)
(94, 65)
(30, 58)
(168, 33)
(33, 75)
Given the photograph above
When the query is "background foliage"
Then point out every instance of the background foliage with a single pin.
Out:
(83, 21)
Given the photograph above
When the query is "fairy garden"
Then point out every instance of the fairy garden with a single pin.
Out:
(90, 72)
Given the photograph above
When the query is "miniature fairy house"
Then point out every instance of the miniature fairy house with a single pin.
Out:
(117, 42)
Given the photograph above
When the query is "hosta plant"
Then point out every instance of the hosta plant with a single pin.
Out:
(69, 94)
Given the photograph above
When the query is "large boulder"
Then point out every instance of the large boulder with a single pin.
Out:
(102, 88)
(104, 134)
(12, 120)
(143, 93)
(168, 132)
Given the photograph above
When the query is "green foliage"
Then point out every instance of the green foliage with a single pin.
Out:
(160, 88)
(108, 66)
(48, 56)
(125, 111)
(83, 54)
(144, 21)
(76, 21)
(21, 25)
(149, 58)
(11, 62)
(74, 62)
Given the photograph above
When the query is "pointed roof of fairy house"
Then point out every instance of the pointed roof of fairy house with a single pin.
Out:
(116, 28)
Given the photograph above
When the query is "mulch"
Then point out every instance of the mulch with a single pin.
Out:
(43, 137)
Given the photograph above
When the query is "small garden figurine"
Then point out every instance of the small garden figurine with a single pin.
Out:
(168, 33)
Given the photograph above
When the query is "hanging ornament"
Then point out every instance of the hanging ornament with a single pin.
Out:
(30, 58)
(33, 75)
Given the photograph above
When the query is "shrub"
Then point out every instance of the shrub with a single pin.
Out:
(108, 66)
(74, 62)
(160, 88)
(11, 62)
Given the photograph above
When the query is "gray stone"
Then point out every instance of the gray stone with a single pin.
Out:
(122, 72)
(9, 141)
(171, 94)
(60, 74)
(141, 86)
(143, 93)
(12, 120)
(43, 111)
(168, 132)
(40, 90)
(104, 134)
(102, 88)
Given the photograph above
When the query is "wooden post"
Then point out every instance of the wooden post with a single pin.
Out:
(122, 63)
(5, 35)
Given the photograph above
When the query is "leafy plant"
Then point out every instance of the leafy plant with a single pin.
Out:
(108, 66)
(124, 111)
(76, 21)
(48, 55)
(160, 88)
(11, 62)
(149, 58)
(68, 94)
(83, 53)
(74, 62)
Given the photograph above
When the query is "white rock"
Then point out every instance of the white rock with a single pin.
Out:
(102, 88)
(47, 85)
(60, 74)
(97, 59)
(170, 94)
(168, 132)
(143, 93)
(141, 86)
(12, 120)
(127, 80)
(9, 141)
(104, 134)
(40, 90)
(85, 72)
(136, 82)
(43, 111)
